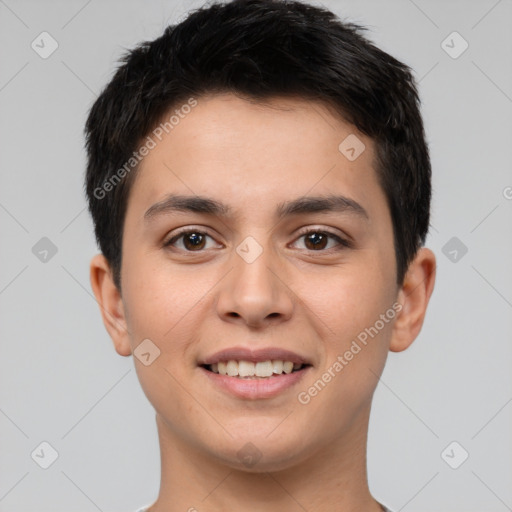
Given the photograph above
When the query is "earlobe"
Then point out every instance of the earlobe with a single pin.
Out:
(110, 302)
(414, 296)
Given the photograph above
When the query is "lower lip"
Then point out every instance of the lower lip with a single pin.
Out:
(254, 389)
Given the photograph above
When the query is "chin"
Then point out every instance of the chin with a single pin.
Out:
(260, 454)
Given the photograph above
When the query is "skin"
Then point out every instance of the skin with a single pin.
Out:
(313, 301)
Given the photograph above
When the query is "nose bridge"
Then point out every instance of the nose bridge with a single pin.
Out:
(253, 291)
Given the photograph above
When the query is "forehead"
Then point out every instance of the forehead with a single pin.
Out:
(247, 153)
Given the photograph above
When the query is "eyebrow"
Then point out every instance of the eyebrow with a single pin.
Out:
(199, 204)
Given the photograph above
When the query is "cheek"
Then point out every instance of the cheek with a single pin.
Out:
(163, 307)
(354, 357)
(169, 306)
(159, 301)
(349, 306)
(348, 300)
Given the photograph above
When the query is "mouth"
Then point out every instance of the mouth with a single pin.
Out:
(250, 374)
(255, 370)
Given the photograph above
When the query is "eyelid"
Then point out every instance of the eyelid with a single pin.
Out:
(185, 230)
(343, 240)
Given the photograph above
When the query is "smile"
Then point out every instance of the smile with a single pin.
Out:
(249, 370)
(254, 387)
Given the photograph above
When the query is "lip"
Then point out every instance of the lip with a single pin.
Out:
(254, 356)
(254, 389)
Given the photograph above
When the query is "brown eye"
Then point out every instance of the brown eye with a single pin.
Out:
(315, 240)
(190, 241)
(193, 241)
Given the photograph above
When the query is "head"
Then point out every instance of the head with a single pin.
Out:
(250, 105)
(232, 48)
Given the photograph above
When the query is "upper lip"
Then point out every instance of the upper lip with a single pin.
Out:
(255, 356)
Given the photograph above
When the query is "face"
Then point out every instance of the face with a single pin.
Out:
(280, 247)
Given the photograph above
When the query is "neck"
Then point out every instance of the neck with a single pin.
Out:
(333, 477)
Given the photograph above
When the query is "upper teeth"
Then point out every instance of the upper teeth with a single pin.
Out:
(249, 369)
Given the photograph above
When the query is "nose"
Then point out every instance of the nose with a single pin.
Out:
(255, 293)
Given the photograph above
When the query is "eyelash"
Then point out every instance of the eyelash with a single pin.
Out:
(342, 243)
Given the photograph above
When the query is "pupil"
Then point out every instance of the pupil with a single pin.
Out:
(196, 240)
(317, 240)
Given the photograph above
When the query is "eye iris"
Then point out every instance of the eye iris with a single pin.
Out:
(319, 240)
(197, 240)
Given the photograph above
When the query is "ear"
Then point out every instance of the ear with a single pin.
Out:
(414, 295)
(110, 302)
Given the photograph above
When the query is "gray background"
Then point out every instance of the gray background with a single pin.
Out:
(61, 380)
